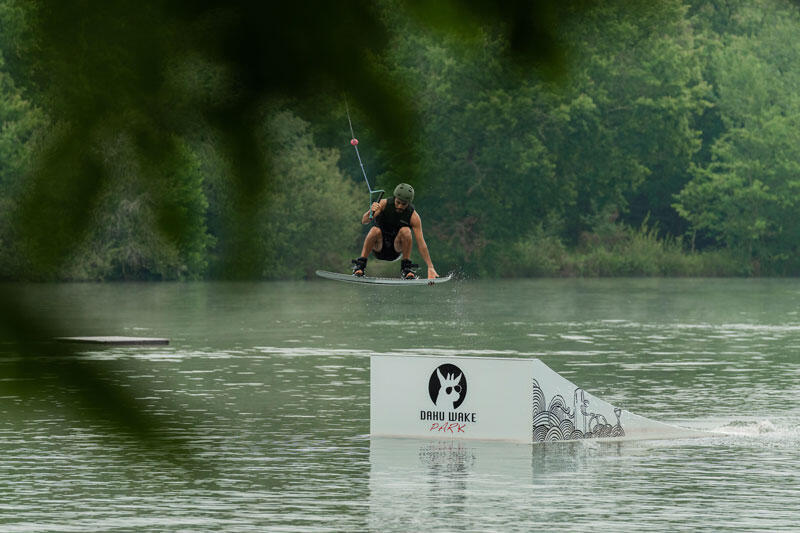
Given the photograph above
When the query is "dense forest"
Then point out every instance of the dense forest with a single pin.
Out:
(632, 141)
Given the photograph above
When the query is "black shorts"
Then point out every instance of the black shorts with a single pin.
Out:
(387, 253)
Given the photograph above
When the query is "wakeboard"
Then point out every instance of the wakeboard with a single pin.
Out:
(336, 276)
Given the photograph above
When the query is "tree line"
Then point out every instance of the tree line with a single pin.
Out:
(655, 140)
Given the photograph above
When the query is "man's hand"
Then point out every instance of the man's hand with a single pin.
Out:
(432, 273)
(374, 210)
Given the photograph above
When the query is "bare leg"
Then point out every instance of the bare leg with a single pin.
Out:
(403, 241)
(373, 242)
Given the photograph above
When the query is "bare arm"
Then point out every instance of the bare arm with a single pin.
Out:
(416, 226)
(375, 209)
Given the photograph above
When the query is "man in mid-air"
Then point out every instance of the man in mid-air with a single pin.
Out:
(395, 218)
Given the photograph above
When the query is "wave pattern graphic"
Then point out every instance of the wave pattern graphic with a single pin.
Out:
(558, 422)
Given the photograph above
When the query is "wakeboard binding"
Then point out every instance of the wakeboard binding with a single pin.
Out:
(407, 269)
(359, 266)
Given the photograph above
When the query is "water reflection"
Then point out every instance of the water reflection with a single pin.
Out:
(450, 483)
(268, 385)
(653, 485)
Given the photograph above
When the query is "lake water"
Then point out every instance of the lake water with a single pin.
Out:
(264, 392)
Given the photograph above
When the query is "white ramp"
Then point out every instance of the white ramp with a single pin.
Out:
(490, 398)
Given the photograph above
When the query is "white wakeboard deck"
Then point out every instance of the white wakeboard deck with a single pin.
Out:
(336, 276)
(492, 398)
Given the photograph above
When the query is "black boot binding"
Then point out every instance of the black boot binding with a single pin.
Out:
(359, 266)
(407, 269)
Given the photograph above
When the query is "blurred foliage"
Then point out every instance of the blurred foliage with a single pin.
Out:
(156, 140)
(167, 139)
(140, 74)
(125, 87)
(188, 140)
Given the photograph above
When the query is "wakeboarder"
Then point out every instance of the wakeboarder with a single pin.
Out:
(390, 238)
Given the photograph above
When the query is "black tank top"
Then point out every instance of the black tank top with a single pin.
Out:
(391, 220)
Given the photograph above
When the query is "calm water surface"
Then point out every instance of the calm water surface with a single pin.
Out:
(266, 388)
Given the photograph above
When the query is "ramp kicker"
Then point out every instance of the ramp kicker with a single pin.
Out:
(488, 398)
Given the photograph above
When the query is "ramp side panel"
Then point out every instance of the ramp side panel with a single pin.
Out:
(488, 398)
(581, 415)
(518, 400)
